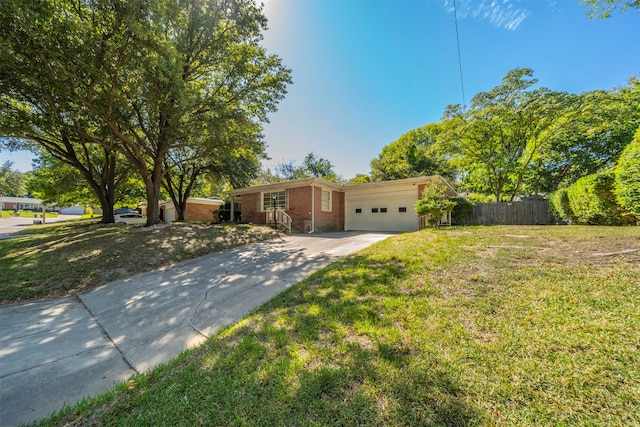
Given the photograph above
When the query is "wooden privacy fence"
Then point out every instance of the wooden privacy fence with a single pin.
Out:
(526, 212)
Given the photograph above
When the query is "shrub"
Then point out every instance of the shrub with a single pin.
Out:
(627, 177)
(592, 201)
(433, 203)
(559, 202)
(462, 211)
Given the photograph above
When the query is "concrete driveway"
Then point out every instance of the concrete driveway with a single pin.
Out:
(54, 352)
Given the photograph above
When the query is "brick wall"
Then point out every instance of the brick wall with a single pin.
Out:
(199, 212)
(299, 208)
(250, 211)
(329, 221)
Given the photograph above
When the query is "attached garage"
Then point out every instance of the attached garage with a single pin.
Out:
(384, 206)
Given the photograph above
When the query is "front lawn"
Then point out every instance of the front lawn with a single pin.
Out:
(470, 326)
(66, 258)
(28, 214)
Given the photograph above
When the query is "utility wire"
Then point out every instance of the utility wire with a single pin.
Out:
(455, 16)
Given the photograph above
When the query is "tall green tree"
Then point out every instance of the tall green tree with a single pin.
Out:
(592, 130)
(236, 164)
(12, 182)
(499, 137)
(312, 166)
(360, 178)
(97, 167)
(319, 167)
(415, 153)
(158, 76)
(57, 182)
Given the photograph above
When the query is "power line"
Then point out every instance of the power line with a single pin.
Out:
(455, 16)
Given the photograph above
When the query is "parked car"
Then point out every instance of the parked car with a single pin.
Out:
(122, 211)
(130, 218)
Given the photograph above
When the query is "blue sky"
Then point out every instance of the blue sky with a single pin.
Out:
(367, 71)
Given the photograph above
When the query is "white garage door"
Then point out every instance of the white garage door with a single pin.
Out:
(380, 213)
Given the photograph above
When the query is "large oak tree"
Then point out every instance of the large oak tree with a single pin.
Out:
(152, 78)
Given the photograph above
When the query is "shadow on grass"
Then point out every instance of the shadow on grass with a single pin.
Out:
(326, 352)
(68, 259)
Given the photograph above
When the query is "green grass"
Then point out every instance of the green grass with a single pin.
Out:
(69, 257)
(470, 326)
(28, 214)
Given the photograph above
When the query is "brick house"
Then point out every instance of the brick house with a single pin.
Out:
(318, 205)
(198, 209)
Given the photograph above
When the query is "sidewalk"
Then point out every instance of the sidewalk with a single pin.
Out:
(57, 351)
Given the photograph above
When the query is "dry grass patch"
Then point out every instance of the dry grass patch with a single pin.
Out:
(67, 258)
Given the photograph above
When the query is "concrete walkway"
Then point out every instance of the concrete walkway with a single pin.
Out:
(54, 352)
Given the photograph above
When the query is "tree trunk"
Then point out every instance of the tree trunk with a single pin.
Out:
(152, 183)
(181, 191)
(181, 208)
(108, 188)
(153, 203)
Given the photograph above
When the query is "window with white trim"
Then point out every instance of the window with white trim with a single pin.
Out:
(326, 201)
(273, 199)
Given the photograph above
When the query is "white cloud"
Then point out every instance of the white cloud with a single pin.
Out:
(500, 13)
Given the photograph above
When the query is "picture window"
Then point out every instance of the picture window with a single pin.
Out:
(277, 199)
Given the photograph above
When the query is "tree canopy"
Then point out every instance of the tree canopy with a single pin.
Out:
(604, 8)
(162, 83)
(413, 154)
(519, 139)
(496, 140)
(311, 167)
(12, 182)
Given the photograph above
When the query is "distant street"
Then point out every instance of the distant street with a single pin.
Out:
(10, 225)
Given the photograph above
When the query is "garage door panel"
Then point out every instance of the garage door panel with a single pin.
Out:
(391, 220)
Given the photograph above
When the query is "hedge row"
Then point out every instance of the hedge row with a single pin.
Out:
(610, 197)
(627, 173)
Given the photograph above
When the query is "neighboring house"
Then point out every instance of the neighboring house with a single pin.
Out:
(198, 209)
(31, 204)
(318, 205)
(21, 203)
